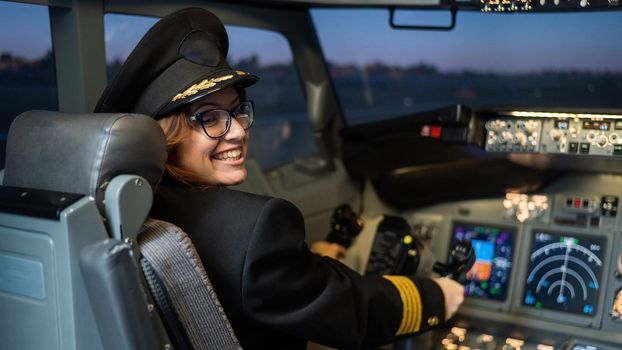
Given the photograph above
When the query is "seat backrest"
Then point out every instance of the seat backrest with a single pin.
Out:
(72, 278)
(64, 283)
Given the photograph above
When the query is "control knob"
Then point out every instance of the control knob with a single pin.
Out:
(573, 131)
(555, 134)
(506, 137)
(591, 136)
(601, 141)
(531, 126)
(614, 138)
(521, 138)
(496, 125)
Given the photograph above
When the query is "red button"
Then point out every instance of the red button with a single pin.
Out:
(577, 202)
(435, 132)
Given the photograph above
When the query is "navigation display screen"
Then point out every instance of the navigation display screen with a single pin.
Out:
(564, 272)
(494, 247)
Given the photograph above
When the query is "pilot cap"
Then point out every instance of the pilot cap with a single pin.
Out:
(179, 60)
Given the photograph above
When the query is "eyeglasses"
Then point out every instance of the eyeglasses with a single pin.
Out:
(217, 122)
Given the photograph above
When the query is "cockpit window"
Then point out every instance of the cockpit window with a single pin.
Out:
(281, 131)
(27, 70)
(489, 59)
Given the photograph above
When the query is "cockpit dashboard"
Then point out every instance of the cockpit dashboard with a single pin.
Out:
(548, 270)
(536, 192)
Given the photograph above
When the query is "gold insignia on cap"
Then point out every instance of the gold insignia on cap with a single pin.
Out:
(205, 84)
(241, 73)
(411, 304)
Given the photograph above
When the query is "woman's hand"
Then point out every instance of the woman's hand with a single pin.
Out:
(332, 250)
(453, 293)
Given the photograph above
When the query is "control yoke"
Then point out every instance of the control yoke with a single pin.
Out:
(345, 225)
(461, 259)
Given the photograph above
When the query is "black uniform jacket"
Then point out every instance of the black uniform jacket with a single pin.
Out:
(275, 292)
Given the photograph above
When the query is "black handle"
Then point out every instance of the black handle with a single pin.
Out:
(345, 226)
(461, 259)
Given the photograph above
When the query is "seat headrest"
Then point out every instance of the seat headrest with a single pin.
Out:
(81, 153)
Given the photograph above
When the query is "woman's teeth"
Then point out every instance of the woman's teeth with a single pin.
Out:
(229, 155)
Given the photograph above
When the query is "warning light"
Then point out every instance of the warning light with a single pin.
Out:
(435, 132)
(577, 202)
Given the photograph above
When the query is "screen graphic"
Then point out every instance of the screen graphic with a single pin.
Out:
(490, 275)
(564, 272)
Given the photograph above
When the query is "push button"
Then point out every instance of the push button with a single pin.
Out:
(617, 149)
(573, 147)
(584, 148)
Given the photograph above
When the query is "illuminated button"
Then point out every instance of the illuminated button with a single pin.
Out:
(573, 147)
(408, 239)
(486, 338)
(515, 342)
(617, 149)
(577, 202)
(584, 148)
(457, 331)
(544, 347)
(616, 310)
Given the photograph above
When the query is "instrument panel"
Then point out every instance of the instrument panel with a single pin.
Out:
(548, 271)
(555, 133)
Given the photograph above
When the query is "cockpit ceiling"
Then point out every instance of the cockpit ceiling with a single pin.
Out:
(477, 5)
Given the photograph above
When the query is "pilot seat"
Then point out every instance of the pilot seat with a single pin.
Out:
(81, 265)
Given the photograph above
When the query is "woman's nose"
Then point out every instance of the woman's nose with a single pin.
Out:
(236, 131)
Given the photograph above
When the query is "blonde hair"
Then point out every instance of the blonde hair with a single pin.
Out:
(177, 127)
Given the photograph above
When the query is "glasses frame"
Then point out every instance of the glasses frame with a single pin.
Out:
(198, 117)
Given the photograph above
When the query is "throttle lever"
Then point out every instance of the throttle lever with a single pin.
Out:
(345, 226)
(461, 259)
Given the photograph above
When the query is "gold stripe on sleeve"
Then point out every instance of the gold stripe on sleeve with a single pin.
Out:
(411, 304)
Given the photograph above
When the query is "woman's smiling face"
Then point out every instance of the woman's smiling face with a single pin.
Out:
(220, 161)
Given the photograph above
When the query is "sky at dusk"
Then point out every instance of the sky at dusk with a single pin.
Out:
(481, 42)
(123, 33)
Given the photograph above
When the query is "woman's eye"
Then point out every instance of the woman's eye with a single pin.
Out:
(209, 119)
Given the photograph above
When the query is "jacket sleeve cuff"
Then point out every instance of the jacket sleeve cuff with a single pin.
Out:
(423, 304)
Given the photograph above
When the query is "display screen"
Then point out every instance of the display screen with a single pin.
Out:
(564, 272)
(489, 277)
(561, 124)
(596, 125)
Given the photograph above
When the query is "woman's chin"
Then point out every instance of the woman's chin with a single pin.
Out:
(233, 178)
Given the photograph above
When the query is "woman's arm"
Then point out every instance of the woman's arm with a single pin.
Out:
(286, 286)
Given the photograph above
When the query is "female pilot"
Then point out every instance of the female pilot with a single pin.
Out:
(275, 292)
